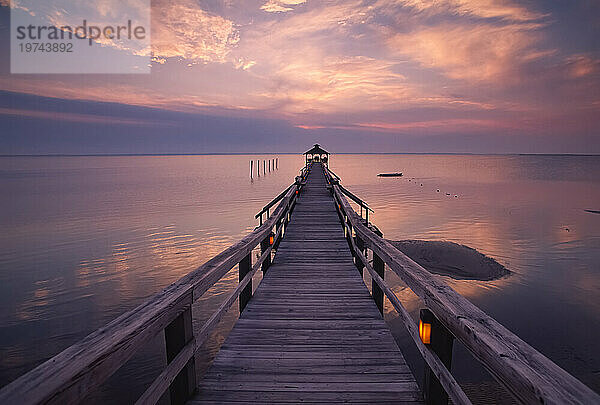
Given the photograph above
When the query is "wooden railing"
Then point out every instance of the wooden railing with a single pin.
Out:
(299, 184)
(333, 178)
(72, 374)
(527, 374)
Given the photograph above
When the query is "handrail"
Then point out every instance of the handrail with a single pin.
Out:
(162, 382)
(274, 201)
(333, 174)
(442, 373)
(354, 198)
(527, 374)
(266, 208)
(70, 375)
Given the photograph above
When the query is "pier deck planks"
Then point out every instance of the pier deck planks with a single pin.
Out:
(311, 332)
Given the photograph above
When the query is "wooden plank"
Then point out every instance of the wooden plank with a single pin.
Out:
(311, 316)
(311, 357)
(261, 397)
(315, 336)
(310, 378)
(310, 347)
(254, 368)
(274, 353)
(310, 364)
(275, 291)
(293, 386)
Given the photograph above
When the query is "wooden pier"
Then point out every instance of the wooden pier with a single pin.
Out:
(311, 332)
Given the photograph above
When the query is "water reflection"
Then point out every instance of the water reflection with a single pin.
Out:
(88, 238)
(527, 212)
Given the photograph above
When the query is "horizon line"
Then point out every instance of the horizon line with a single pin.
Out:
(295, 153)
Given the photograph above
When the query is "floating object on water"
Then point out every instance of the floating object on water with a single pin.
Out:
(438, 190)
(592, 211)
(390, 175)
(447, 193)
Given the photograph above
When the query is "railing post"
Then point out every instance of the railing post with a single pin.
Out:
(278, 224)
(295, 198)
(245, 267)
(264, 245)
(361, 247)
(440, 341)
(379, 267)
(177, 334)
(349, 238)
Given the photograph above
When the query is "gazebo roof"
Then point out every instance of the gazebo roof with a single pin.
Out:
(316, 150)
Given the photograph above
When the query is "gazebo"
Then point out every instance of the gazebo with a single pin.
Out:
(316, 154)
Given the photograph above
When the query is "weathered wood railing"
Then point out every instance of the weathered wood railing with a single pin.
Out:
(299, 183)
(527, 374)
(72, 374)
(364, 207)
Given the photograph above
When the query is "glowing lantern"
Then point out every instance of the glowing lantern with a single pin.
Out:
(426, 320)
(425, 332)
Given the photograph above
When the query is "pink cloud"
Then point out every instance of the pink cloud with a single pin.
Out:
(364, 63)
(580, 66)
(182, 29)
(505, 9)
(479, 52)
(280, 6)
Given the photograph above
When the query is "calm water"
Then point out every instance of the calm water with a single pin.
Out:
(85, 239)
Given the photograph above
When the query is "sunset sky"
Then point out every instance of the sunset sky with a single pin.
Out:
(478, 76)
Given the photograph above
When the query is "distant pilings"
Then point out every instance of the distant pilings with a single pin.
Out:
(268, 165)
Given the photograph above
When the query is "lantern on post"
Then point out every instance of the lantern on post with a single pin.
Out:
(435, 335)
(266, 243)
(425, 322)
